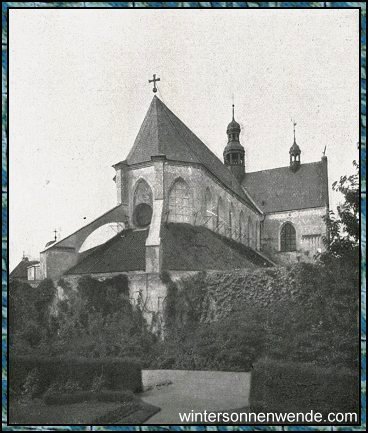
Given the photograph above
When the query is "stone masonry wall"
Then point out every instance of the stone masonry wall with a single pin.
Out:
(198, 181)
(146, 286)
(310, 229)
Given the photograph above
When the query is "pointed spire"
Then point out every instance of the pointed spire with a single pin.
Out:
(233, 112)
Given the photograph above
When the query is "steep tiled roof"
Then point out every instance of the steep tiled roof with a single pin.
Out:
(281, 189)
(20, 271)
(163, 133)
(203, 248)
(124, 252)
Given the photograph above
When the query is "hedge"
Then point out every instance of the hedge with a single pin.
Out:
(119, 373)
(278, 386)
(81, 396)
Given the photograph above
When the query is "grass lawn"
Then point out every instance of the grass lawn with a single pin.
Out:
(37, 412)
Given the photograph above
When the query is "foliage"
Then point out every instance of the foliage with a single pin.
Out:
(71, 374)
(105, 296)
(99, 382)
(228, 320)
(232, 345)
(280, 386)
(213, 321)
(31, 386)
(95, 319)
(62, 398)
(342, 242)
(29, 313)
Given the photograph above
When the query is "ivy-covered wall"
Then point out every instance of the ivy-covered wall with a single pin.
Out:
(303, 312)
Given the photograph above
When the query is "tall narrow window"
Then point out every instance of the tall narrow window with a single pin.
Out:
(250, 232)
(209, 211)
(231, 217)
(288, 238)
(221, 223)
(180, 203)
(241, 227)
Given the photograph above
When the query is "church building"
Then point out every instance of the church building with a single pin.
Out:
(180, 209)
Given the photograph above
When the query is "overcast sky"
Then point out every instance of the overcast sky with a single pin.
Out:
(79, 92)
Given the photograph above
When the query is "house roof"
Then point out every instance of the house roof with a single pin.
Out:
(20, 271)
(281, 189)
(163, 133)
(203, 248)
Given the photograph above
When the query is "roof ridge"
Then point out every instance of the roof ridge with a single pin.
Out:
(145, 124)
(283, 167)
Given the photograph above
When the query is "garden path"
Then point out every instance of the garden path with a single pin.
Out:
(193, 390)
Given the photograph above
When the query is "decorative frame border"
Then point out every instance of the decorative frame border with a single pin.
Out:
(4, 195)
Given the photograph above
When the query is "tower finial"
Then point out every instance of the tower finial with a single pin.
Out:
(294, 125)
(55, 237)
(233, 112)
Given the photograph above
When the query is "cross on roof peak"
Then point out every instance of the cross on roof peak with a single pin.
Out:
(154, 81)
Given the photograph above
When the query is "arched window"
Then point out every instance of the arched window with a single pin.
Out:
(241, 227)
(231, 221)
(221, 223)
(142, 193)
(250, 232)
(288, 238)
(208, 209)
(180, 203)
(142, 204)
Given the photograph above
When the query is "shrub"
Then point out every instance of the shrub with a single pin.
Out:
(279, 386)
(59, 398)
(119, 373)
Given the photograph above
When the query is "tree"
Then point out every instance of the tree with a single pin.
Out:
(342, 242)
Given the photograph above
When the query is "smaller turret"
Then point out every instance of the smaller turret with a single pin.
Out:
(234, 152)
(294, 154)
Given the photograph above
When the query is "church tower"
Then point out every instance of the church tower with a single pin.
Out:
(234, 151)
(294, 155)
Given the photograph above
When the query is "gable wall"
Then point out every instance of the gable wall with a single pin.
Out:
(309, 227)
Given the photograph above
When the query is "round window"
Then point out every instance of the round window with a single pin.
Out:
(142, 215)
